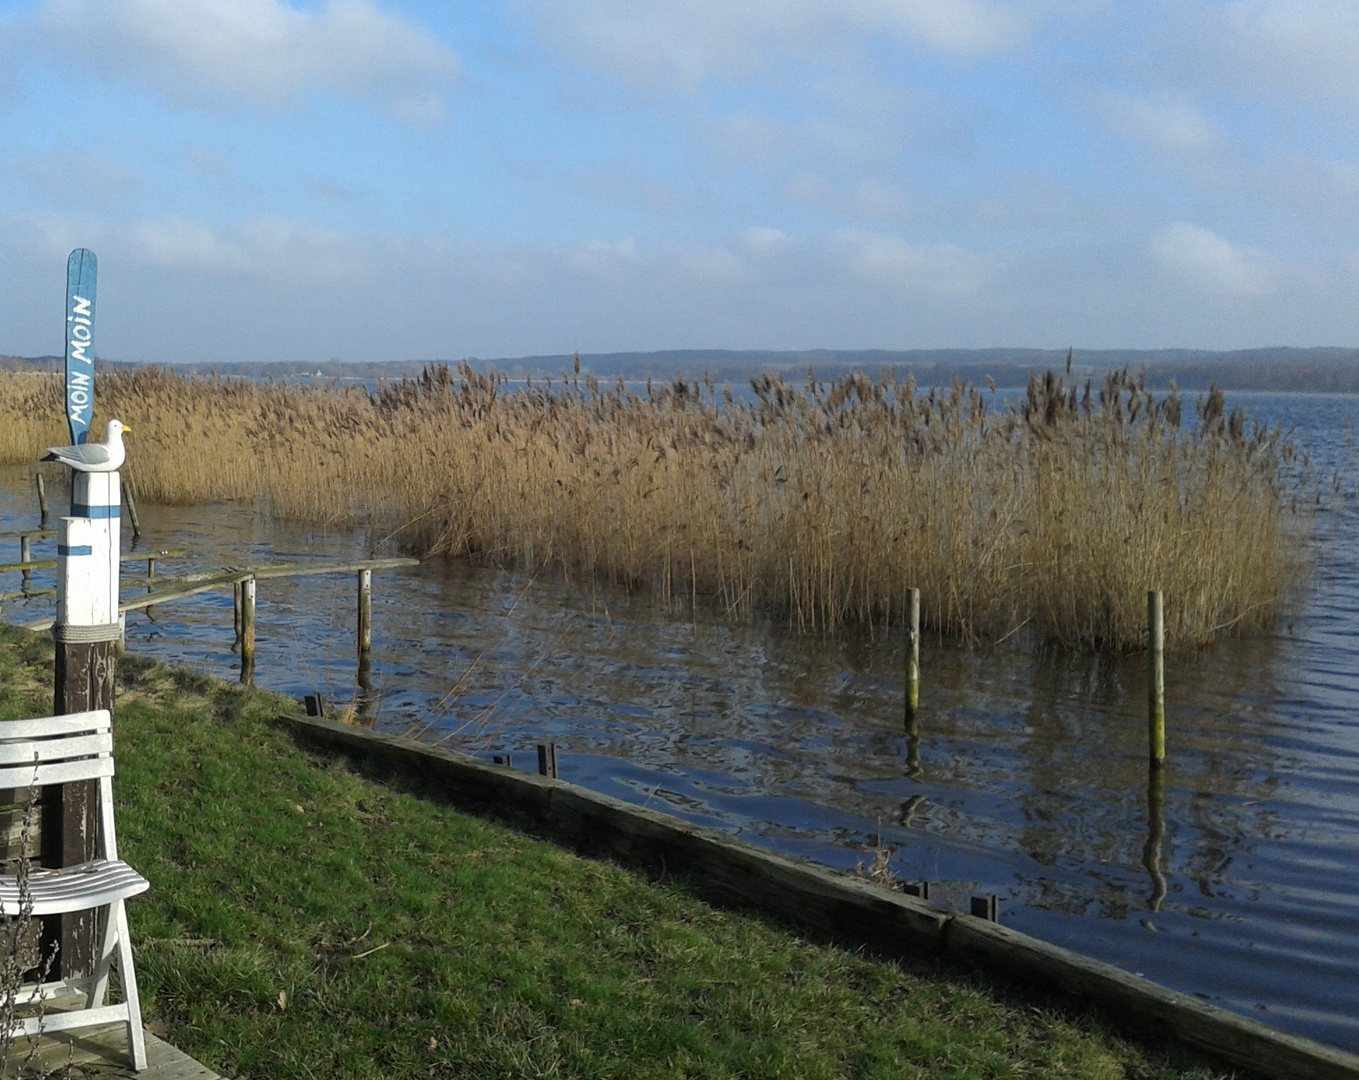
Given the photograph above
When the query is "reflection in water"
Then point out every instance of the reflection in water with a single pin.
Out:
(1156, 831)
(1032, 783)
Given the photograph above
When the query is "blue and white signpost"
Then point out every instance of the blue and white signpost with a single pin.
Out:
(82, 268)
(87, 627)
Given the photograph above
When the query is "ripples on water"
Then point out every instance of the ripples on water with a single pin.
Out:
(1028, 778)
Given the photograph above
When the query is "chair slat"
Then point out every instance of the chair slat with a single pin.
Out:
(26, 751)
(61, 772)
(48, 726)
(62, 750)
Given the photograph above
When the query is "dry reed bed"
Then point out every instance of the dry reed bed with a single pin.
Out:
(822, 504)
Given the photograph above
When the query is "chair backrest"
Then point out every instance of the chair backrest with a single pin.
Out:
(62, 750)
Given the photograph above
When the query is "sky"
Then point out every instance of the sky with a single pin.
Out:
(393, 179)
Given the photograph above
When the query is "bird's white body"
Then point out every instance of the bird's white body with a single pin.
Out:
(107, 456)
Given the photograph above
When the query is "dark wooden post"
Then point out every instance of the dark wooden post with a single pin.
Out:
(913, 658)
(132, 511)
(42, 498)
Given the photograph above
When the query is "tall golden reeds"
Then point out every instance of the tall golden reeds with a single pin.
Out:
(822, 504)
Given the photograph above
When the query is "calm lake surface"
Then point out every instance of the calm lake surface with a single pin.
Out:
(1028, 778)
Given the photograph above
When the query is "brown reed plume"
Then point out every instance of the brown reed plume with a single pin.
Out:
(821, 504)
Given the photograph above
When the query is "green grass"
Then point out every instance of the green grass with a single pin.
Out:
(488, 954)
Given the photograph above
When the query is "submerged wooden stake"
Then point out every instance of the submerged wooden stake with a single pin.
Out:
(131, 501)
(913, 659)
(1156, 677)
(42, 497)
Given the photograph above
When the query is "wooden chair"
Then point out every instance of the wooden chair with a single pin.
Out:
(62, 750)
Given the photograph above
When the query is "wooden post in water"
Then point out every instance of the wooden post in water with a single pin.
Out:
(913, 659)
(1156, 677)
(365, 612)
(86, 631)
(26, 555)
(42, 497)
(132, 511)
(248, 631)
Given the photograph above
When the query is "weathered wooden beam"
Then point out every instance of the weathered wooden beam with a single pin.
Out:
(860, 914)
(11, 534)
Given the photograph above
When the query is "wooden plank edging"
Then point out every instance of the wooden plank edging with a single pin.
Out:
(736, 873)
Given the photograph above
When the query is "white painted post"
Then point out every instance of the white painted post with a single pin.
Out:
(86, 631)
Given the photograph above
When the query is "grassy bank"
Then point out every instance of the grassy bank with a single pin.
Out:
(822, 505)
(307, 922)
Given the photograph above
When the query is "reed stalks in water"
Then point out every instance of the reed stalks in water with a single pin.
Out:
(822, 504)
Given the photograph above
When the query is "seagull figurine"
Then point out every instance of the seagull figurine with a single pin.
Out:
(106, 456)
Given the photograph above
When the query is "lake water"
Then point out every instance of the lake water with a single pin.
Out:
(1028, 778)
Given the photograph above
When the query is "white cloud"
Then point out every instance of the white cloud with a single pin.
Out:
(1162, 122)
(942, 269)
(653, 41)
(1202, 257)
(764, 240)
(269, 248)
(259, 51)
(1307, 47)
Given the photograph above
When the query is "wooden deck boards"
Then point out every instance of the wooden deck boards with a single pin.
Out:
(102, 1053)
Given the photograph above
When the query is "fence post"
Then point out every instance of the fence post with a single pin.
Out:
(1156, 677)
(913, 659)
(365, 612)
(86, 631)
(248, 631)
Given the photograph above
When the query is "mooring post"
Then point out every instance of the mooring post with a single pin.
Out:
(365, 612)
(1156, 677)
(26, 555)
(248, 631)
(86, 631)
(132, 511)
(42, 497)
(547, 760)
(913, 659)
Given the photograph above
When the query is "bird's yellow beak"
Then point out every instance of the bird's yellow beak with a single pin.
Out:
(127, 428)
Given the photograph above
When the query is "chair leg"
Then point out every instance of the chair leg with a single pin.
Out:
(99, 989)
(127, 976)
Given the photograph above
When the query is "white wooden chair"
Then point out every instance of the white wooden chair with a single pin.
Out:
(61, 750)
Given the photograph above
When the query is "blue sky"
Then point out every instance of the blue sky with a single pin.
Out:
(364, 180)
